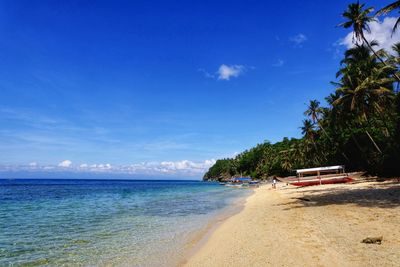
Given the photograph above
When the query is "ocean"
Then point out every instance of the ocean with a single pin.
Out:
(72, 222)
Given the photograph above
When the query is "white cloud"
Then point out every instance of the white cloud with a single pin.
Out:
(381, 31)
(33, 164)
(298, 39)
(186, 165)
(209, 162)
(46, 168)
(173, 167)
(104, 166)
(279, 63)
(65, 164)
(225, 72)
(206, 73)
(183, 167)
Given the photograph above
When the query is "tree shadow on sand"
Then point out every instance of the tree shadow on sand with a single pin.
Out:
(382, 196)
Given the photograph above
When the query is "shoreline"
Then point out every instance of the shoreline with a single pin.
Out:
(309, 226)
(201, 237)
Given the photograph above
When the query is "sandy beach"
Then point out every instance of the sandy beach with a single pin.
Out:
(310, 226)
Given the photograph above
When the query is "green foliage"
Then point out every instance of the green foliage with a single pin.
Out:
(222, 169)
(259, 162)
(360, 127)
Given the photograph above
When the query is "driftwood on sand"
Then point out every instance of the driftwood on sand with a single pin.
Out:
(373, 240)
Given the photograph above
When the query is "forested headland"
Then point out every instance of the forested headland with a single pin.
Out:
(359, 126)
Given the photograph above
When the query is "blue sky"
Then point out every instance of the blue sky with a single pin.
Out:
(161, 85)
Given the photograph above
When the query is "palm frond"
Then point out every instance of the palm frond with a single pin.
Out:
(395, 26)
(388, 8)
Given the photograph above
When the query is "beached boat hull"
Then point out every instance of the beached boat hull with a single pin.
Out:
(319, 176)
(322, 181)
(234, 185)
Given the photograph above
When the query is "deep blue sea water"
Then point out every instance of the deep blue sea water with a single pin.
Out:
(104, 222)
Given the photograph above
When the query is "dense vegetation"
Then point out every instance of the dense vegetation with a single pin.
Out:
(359, 127)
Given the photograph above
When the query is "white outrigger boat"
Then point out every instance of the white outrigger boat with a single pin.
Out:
(318, 176)
(242, 182)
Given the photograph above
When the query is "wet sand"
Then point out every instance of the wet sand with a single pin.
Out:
(310, 226)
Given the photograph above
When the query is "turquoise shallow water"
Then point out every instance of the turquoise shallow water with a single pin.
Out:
(104, 222)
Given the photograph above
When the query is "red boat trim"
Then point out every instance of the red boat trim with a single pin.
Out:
(322, 181)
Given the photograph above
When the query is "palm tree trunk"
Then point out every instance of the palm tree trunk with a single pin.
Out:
(373, 141)
(357, 144)
(397, 129)
(359, 147)
(316, 150)
(330, 139)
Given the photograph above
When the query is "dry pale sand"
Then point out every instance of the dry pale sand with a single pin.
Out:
(276, 228)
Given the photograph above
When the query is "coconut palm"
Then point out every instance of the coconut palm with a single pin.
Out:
(394, 59)
(286, 160)
(308, 129)
(365, 96)
(310, 146)
(360, 58)
(370, 95)
(332, 96)
(358, 18)
(396, 49)
(362, 72)
(313, 111)
(286, 163)
(389, 8)
(364, 89)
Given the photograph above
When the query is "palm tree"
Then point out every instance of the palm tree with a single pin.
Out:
(332, 96)
(359, 57)
(298, 153)
(309, 133)
(287, 161)
(308, 129)
(314, 110)
(395, 58)
(358, 18)
(365, 96)
(390, 8)
(365, 89)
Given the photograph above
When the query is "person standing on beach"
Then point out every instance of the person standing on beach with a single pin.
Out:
(274, 182)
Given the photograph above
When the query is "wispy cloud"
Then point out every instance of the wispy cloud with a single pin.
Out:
(279, 63)
(336, 49)
(36, 136)
(381, 31)
(33, 164)
(183, 167)
(206, 73)
(298, 39)
(65, 164)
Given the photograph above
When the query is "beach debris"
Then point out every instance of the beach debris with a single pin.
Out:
(373, 240)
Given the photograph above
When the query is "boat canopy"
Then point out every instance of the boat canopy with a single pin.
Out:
(242, 179)
(320, 169)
